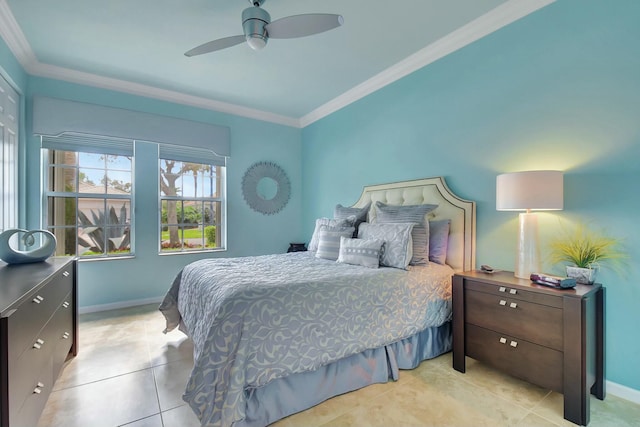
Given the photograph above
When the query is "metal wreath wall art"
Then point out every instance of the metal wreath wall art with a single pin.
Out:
(266, 188)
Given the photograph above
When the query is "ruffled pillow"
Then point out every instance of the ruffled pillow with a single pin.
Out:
(413, 214)
(398, 246)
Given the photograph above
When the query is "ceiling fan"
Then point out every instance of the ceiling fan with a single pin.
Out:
(258, 28)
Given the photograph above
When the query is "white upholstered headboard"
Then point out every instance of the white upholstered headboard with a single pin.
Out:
(461, 253)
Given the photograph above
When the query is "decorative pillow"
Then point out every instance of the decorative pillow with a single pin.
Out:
(397, 249)
(328, 222)
(341, 212)
(329, 241)
(439, 240)
(410, 213)
(360, 252)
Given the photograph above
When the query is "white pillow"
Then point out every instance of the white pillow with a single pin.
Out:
(360, 252)
(328, 222)
(398, 245)
(329, 241)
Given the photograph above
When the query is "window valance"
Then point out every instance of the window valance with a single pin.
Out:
(54, 117)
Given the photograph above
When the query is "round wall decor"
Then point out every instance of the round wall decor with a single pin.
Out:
(266, 188)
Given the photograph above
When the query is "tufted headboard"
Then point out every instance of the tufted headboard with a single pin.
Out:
(461, 253)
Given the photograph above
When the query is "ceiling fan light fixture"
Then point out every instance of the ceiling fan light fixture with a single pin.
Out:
(256, 42)
(254, 20)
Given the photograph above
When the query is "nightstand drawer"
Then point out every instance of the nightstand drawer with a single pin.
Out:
(518, 357)
(536, 323)
(515, 292)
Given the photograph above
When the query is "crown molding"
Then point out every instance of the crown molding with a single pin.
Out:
(89, 79)
(493, 20)
(13, 36)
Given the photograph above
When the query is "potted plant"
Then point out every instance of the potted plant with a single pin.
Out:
(586, 251)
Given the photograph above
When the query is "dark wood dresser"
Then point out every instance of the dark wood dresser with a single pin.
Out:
(550, 337)
(38, 331)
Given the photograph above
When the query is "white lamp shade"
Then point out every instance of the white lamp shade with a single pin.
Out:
(530, 190)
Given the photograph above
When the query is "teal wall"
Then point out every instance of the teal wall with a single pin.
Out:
(559, 89)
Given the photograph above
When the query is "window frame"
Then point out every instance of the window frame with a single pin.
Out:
(190, 155)
(49, 163)
(9, 154)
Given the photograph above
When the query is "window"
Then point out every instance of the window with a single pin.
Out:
(8, 156)
(88, 194)
(192, 207)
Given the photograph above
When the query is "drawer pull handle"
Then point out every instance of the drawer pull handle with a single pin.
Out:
(38, 299)
(502, 289)
(513, 291)
(66, 336)
(513, 344)
(503, 302)
(65, 274)
(503, 340)
(65, 304)
(513, 305)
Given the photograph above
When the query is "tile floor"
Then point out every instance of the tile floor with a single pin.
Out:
(128, 373)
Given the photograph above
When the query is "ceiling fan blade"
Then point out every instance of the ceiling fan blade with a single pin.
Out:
(303, 25)
(214, 45)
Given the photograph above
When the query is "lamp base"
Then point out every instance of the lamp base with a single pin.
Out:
(528, 258)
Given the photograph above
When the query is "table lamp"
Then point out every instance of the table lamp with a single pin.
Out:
(528, 191)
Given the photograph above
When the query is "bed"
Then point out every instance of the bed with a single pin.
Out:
(277, 334)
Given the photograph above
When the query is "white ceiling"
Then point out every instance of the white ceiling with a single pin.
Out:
(137, 46)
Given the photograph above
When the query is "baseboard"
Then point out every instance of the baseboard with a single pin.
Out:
(623, 392)
(117, 305)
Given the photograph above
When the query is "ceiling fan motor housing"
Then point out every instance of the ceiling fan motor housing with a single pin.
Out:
(254, 19)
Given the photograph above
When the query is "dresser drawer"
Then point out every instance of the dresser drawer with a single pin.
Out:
(63, 320)
(33, 404)
(26, 370)
(26, 322)
(537, 323)
(520, 358)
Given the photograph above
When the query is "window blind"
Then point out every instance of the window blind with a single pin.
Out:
(190, 154)
(88, 144)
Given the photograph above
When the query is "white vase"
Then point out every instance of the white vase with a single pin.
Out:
(585, 276)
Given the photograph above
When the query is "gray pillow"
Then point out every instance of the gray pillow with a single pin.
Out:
(360, 252)
(329, 241)
(341, 212)
(397, 247)
(439, 240)
(414, 214)
(320, 222)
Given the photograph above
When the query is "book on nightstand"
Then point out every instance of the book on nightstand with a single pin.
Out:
(553, 281)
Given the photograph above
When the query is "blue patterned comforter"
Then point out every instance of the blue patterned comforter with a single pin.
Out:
(255, 319)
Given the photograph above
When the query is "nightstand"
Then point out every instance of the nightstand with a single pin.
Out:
(553, 338)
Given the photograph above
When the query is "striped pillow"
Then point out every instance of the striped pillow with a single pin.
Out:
(410, 213)
(328, 222)
(329, 241)
(360, 252)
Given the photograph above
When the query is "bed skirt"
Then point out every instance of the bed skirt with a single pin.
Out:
(285, 396)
